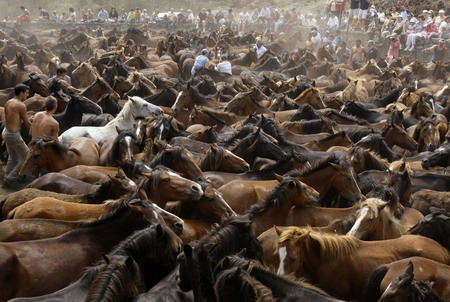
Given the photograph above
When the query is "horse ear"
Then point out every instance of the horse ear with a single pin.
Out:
(242, 252)
(159, 231)
(214, 147)
(278, 230)
(129, 262)
(279, 177)
(148, 175)
(105, 258)
(313, 84)
(410, 269)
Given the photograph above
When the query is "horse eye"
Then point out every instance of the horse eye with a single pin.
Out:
(36, 156)
(292, 260)
(210, 199)
(226, 157)
(167, 179)
(349, 178)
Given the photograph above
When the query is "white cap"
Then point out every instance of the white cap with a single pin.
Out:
(441, 11)
(425, 11)
(413, 20)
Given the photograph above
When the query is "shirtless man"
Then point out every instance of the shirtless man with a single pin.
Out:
(15, 114)
(43, 123)
(357, 55)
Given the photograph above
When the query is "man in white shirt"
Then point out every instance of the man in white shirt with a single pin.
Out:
(260, 49)
(103, 15)
(224, 65)
(317, 40)
(333, 22)
(310, 21)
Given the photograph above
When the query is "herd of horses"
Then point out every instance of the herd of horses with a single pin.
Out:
(292, 179)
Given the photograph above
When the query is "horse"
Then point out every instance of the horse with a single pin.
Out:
(211, 207)
(440, 157)
(280, 288)
(84, 75)
(73, 113)
(220, 159)
(162, 185)
(311, 96)
(425, 199)
(426, 135)
(430, 271)
(306, 252)
(48, 153)
(133, 108)
(376, 220)
(434, 226)
(122, 148)
(407, 288)
(103, 273)
(210, 117)
(60, 183)
(395, 135)
(362, 159)
(180, 160)
(274, 209)
(67, 254)
(97, 89)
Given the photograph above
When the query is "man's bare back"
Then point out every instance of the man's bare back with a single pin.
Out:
(44, 125)
(15, 113)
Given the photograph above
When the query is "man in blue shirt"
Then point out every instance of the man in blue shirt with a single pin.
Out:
(103, 15)
(201, 61)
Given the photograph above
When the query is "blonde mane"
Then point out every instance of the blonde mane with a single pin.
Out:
(331, 246)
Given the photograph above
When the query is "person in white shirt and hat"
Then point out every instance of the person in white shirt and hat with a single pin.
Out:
(224, 65)
(440, 17)
(260, 49)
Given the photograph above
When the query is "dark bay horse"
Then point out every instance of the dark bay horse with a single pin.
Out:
(25, 273)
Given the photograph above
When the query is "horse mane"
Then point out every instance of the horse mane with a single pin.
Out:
(275, 198)
(372, 160)
(397, 165)
(331, 246)
(197, 96)
(56, 145)
(145, 244)
(110, 283)
(305, 112)
(423, 291)
(126, 112)
(212, 113)
(166, 158)
(184, 208)
(319, 165)
(117, 207)
(212, 160)
(135, 30)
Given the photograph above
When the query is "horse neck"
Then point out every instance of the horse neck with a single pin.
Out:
(70, 114)
(272, 215)
(122, 121)
(58, 162)
(120, 227)
(316, 179)
(279, 286)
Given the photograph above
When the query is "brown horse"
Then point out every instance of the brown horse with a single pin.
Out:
(163, 185)
(50, 154)
(395, 135)
(276, 206)
(98, 88)
(180, 160)
(426, 270)
(427, 135)
(407, 288)
(220, 159)
(311, 96)
(94, 174)
(424, 199)
(211, 207)
(84, 75)
(210, 117)
(376, 220)
(338, 139)
(322, 257)
(39, 267)
(245, 103)
(362, 159)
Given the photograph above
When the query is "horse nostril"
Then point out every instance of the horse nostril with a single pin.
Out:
(195, 188)
(200, 179)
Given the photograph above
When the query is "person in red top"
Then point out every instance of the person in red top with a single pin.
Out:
(25, 16)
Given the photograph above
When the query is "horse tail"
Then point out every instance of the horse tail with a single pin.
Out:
(372, 291)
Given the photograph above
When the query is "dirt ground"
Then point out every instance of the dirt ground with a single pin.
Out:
(3, 191)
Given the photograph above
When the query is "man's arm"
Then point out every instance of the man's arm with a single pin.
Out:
(24, 116)
(55, 130)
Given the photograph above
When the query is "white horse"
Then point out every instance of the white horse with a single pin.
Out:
(135, 107)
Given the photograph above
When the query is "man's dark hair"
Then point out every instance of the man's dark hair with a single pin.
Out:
(22, 7)
(19, 88)
(61, 70)
(50, 103)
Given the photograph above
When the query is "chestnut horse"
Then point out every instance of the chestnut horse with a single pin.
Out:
(220, 159)
(321, 257)
(52, 155)
(274, 209)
